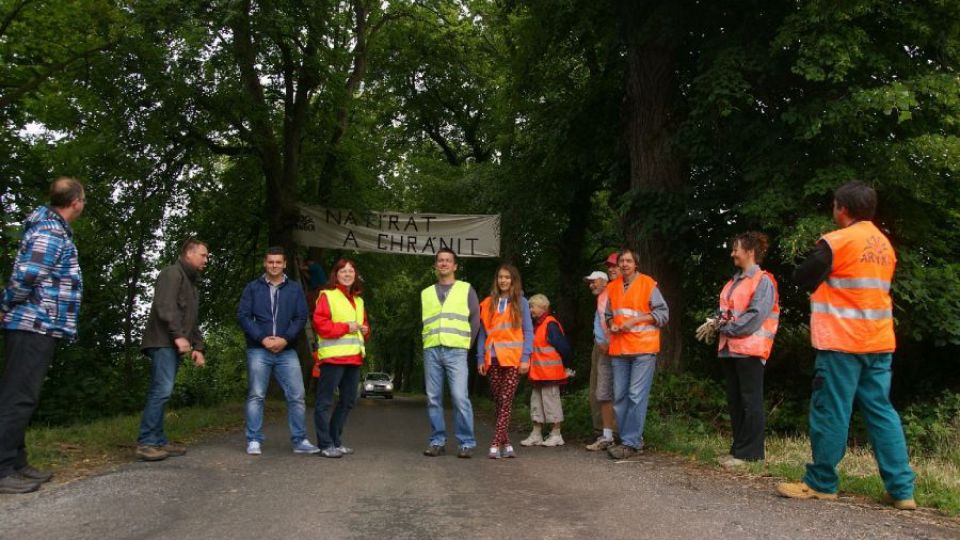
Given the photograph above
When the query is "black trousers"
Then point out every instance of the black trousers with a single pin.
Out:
(346, 379)
(745, 403)
(28, 356)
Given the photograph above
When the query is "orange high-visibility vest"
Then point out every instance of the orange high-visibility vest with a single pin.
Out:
(602, 300)
(640, 338)
(502, 337)
(759, 343)
(851, 311)
(545, 361)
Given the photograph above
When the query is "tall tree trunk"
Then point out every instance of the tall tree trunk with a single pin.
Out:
(572, 240)
(658, 173)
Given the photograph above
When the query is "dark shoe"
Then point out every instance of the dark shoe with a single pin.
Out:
(16, 483)
(465, 452)
(32, 473)
(174, 450)
(435, 450)
(622, 451)
(331, 452)
(151, 453)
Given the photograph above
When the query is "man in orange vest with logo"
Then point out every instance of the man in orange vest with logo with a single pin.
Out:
(851, 326)
(635, 313)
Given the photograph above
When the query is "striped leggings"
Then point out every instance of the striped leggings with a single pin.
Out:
(503, 385)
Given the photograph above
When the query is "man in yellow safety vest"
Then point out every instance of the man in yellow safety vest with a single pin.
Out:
(451, 319)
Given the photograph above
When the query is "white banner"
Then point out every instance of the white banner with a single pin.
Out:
(398, 233)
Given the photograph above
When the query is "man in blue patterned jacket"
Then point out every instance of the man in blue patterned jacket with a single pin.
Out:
(38, 310)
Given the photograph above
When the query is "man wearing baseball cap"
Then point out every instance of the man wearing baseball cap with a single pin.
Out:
(601, 371)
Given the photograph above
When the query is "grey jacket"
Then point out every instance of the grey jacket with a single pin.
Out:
(174, 310)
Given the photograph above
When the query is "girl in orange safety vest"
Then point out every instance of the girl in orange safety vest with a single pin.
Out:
(504, 345)
(747, 324)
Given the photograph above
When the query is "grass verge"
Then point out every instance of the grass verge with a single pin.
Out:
(79, 450)
(937, 485)
(672, 430)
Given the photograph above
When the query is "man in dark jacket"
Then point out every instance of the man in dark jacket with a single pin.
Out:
(38, 310)
(172, 330)
(272, 313)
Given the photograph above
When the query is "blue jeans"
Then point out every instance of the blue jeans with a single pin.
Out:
(632, 379)
(285, 366)
(839, 380)
(346, 378)
(451, 361)
(164, 362)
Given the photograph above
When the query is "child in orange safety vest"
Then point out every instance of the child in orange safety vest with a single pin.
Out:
(549, 369)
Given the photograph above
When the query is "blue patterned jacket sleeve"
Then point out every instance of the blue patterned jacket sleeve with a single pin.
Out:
(38, 255)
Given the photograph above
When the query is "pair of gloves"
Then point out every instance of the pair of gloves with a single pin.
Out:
(708, 331)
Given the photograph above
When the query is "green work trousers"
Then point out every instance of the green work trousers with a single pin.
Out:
(840, 379)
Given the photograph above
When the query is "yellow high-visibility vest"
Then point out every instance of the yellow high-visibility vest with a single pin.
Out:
(341, 311)
(447, 324)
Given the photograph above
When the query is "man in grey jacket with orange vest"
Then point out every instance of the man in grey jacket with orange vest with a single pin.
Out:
(172, 330)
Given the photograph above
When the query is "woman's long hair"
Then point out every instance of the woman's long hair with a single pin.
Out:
(356, 289)
(516, 287)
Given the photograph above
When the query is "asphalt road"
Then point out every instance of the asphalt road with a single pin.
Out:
(389, 490)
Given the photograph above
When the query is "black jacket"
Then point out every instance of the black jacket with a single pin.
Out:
(174, 310)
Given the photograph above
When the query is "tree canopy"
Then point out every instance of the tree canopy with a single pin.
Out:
(587, 125)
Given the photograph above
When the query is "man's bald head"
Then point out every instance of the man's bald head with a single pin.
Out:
(64, 191)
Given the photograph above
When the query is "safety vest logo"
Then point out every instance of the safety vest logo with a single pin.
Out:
(877, 251)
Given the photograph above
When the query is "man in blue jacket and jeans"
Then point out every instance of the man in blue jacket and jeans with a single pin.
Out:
(272, 313)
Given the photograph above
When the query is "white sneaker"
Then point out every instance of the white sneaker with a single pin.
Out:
(253, 448)
(555, 439)
(305, 447)
(535, 439)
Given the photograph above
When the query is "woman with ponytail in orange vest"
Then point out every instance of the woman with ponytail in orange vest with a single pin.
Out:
(503, 349)
(635, 313)
(549, 369)
(747, 322)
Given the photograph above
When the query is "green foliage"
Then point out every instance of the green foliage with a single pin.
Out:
(577, 419)
(223, 378)
(932, 295)
(933, 427)
(513, 108)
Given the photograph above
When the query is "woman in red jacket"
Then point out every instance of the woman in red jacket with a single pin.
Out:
(340, 320)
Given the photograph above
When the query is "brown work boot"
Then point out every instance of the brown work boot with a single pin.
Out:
(174, 450)
(800, 490)
(899, 504)
(151, 453)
